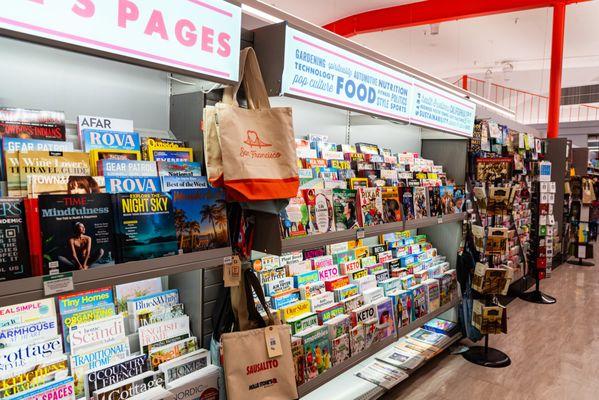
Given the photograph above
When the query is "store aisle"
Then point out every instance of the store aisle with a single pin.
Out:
(554, 351)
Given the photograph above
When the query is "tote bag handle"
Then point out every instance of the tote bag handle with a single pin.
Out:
(253, 84)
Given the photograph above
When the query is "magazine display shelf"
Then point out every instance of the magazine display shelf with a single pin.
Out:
(360, 388)
(29, 289)
(272, 245)
(353, 361)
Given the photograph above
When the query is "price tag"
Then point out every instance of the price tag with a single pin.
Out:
(58, 283)
(231, 271)
(273, 342)
(360, 233)
(440, 220)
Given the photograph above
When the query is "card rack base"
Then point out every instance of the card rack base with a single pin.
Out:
(487, 357)
(538, 297)
(581, 262)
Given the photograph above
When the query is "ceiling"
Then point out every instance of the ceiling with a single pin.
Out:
(477, 45)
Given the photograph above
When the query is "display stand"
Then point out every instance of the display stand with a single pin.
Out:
(539, 260)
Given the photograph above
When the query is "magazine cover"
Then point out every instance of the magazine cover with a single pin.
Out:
(160, 153)
(44, 163)
(370, 203)
(151, 334)
(102, 377)
(82, 317)
(182, 168)
(27, 312)
(299, 360)
(61, 389)
(447, 200)
(159, 314)
(77, 231)
(408, 204)
(492, 169)
(126, 184)
(95, 357)
(419, 301)
(391, 204)
(421, 204)
(79, 301)
(109, 140)
(357, 339)
(294, 217)
(101, 124)
(149, 301)
(12, 146)
(133, 388)
(145, 226)
(64, 184)
(340, 349)
(14, 255)
(184, 365)
(162, 354)
(435, 206)
(127, 291)
(96, 155)
(33, 376)
(458, 199)
(200, 219)
(154, 142)
(344, 206)
(32, 124)
(131, 168)
(317, 351)
(28, 332)
(320, 209)
(103, 331)
(24, 355)
(170, 183)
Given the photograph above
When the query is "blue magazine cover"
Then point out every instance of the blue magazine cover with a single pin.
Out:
(127, 184)
(200, 219)
(110, 140)
(145, 226)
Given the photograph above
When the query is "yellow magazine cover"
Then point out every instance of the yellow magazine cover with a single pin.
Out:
(358, 182)
(147, 142)
(168, 153)
(47, 163)
(110, 154)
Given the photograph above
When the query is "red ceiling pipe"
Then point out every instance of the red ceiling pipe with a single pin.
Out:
(431, 12)
(557, 58)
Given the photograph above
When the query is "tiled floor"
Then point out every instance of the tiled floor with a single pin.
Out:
(554, 351)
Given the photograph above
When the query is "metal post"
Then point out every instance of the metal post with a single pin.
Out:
(557, 55)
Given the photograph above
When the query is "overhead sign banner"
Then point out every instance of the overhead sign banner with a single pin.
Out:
(201, 36)
(319, 71)
(323, 72)
(442, 110)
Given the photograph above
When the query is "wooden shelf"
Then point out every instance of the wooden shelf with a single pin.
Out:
(29, 289)
(358, 358)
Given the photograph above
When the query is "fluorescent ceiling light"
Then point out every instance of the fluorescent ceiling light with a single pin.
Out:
(260, 14)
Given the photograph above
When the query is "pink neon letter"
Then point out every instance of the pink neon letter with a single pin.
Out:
(224, 48)
(207, 39)
(156, 24)
(128, 11)
(187, 37)
(86, 9)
